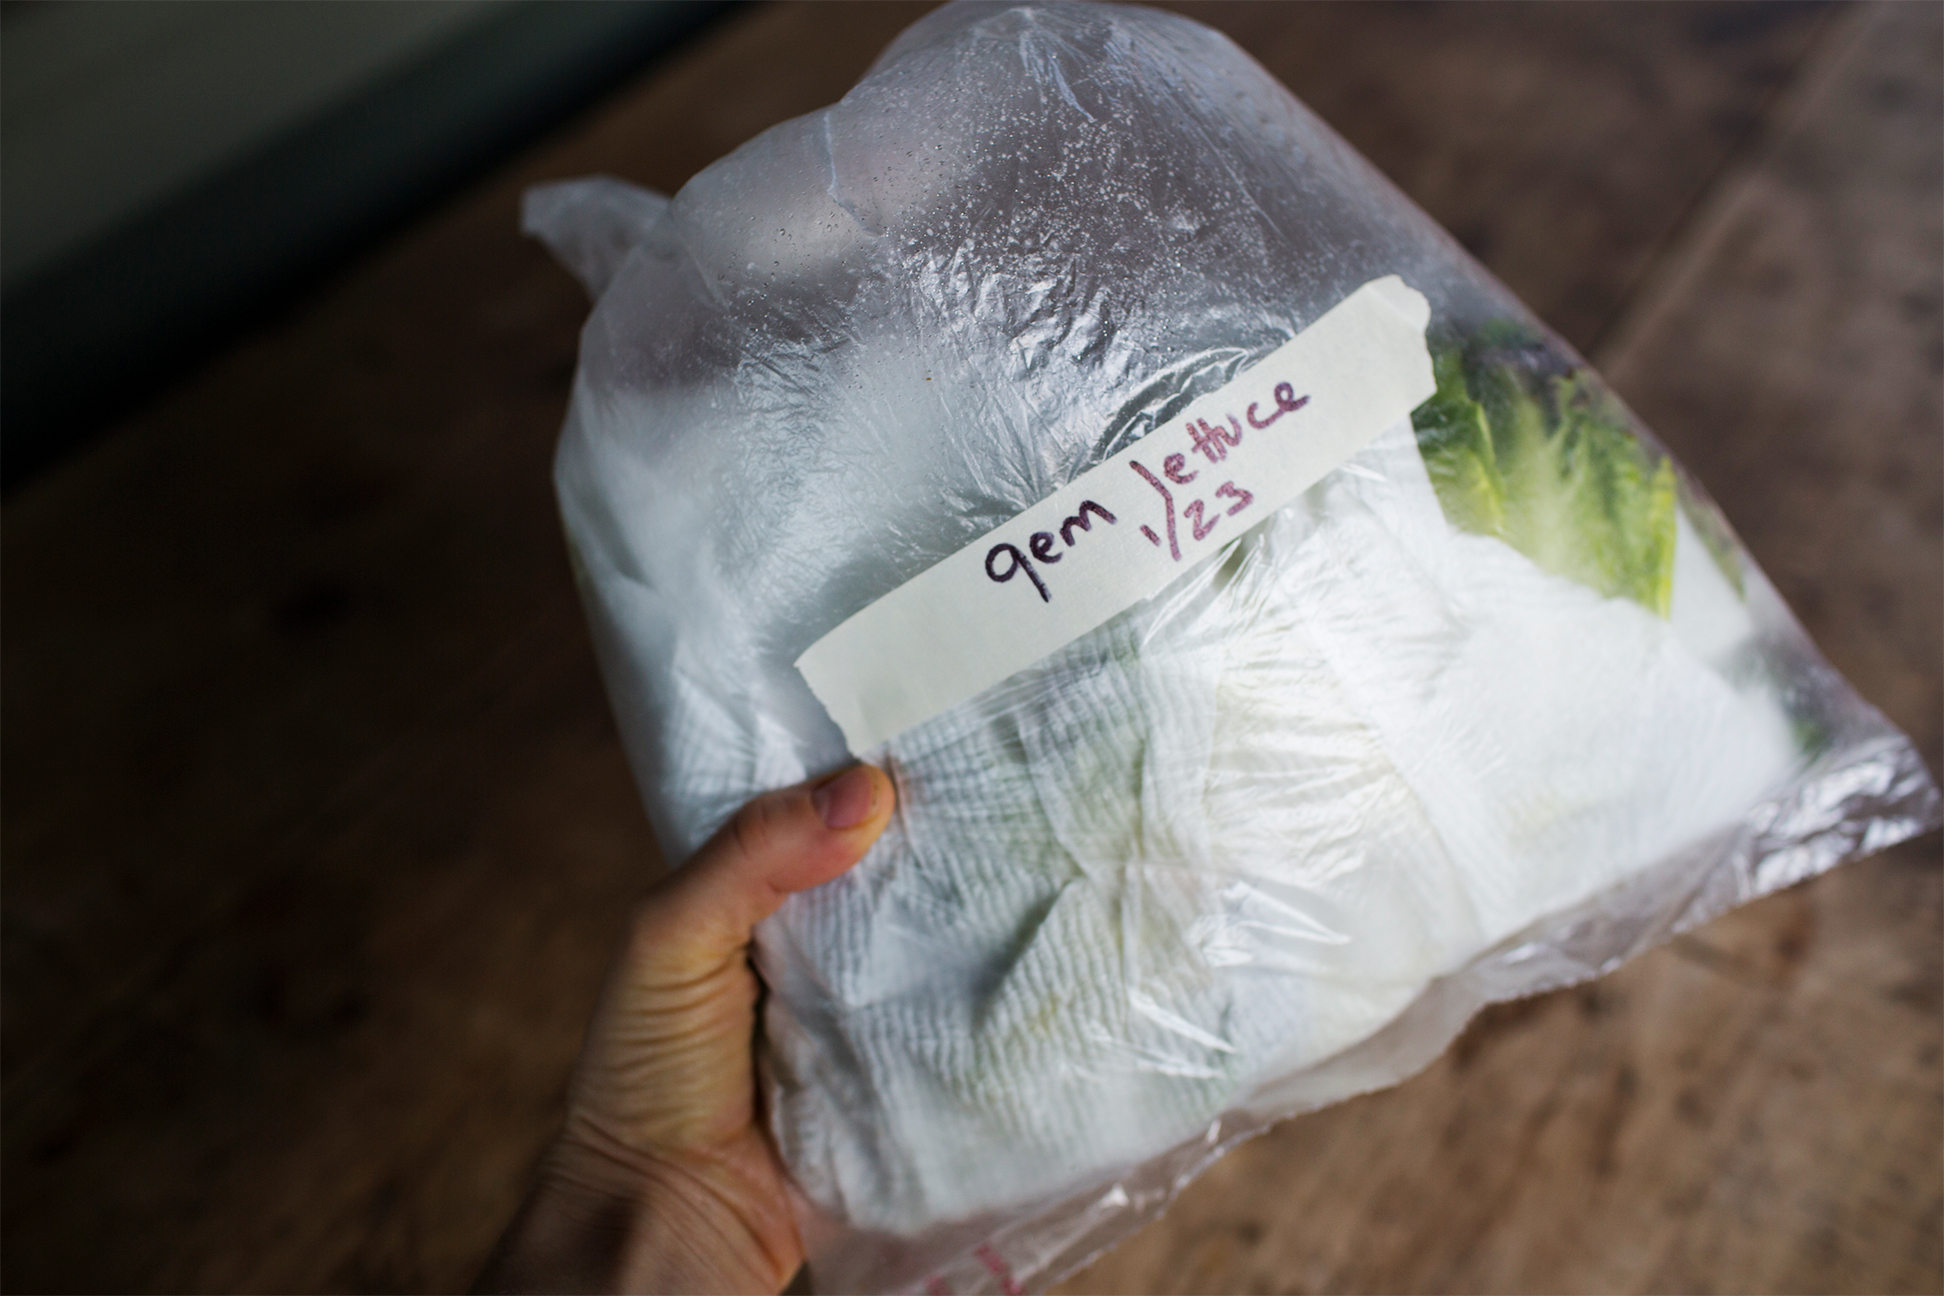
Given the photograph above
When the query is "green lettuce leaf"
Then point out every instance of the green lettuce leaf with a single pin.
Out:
(1546, 462)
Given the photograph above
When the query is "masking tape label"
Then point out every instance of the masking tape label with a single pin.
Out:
(1126, 528)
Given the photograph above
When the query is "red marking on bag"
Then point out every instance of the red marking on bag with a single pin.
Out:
(997, 1265)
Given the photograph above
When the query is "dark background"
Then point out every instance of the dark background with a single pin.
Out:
(103, 322)
(318, 835)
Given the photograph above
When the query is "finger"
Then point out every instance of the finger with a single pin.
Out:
(780, 843)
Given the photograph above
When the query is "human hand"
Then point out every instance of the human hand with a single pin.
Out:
(662, 1178)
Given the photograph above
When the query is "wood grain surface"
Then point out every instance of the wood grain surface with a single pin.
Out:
(318, 834)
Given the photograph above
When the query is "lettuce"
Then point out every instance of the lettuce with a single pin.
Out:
(1546, 462)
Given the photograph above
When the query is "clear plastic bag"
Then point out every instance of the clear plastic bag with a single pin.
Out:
(1493, 706)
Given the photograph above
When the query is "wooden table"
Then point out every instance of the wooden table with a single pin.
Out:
(318, 834)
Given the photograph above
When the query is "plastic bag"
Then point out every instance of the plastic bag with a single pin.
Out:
(1493, 704)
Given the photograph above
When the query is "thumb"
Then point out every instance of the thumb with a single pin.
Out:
(780, 843)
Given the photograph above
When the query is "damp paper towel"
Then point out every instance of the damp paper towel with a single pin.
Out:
(1113, 937)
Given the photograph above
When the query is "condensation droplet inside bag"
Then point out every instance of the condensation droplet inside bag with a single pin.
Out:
(1488, 708)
